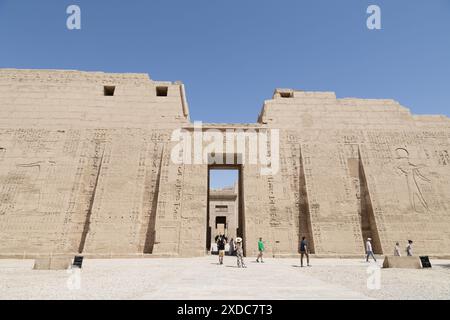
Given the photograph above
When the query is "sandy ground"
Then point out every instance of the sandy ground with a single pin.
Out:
(203, 278)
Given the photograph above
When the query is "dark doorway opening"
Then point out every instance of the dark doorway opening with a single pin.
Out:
(221, 221)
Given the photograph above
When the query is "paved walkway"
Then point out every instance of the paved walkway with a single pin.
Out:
(203, 278)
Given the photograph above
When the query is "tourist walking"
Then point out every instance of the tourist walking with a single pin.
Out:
(409, 249)
(221, 241)
(240, 253)
(304, 249)
(260, 250)
(369, 250)
(397, 250)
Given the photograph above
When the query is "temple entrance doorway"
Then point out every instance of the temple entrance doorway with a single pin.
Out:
(224, 210)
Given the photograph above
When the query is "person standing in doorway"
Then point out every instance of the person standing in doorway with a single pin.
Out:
(397, 250)
(240, 253)
(221, 241)
(369, 250)
(260, 250)
(231, 249)
(409, 249)
(304, 251)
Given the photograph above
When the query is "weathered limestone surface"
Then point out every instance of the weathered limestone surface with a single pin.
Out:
(84, 172)
(224, 203)
(402, 262)
(52, 263)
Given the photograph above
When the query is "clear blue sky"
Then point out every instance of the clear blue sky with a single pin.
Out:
(222, 178)
(232, 54)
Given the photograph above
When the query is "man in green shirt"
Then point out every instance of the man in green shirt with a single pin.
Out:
(260, 249)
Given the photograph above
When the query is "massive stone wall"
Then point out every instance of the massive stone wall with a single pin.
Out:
(370, 169)
(78, 169)
(85, 172)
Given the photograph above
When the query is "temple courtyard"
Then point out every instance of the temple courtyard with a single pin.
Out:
(203, 278)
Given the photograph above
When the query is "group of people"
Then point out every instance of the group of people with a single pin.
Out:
(237, 249)
(369, 250)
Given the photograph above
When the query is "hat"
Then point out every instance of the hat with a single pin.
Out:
(369, 239)
(238, 239)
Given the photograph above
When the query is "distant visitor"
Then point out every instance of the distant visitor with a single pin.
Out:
(260, 250)
(304, 251)
(369, 250)
(240, 253)
(409, 248)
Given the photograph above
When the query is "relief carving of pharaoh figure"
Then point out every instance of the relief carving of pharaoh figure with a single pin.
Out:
(414, 177)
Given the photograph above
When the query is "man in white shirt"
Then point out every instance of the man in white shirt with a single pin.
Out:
(397, 250)
(369, 250)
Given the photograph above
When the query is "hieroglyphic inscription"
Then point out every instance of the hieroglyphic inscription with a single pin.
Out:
(178, 192)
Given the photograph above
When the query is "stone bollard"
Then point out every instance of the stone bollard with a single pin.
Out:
(402, 262)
